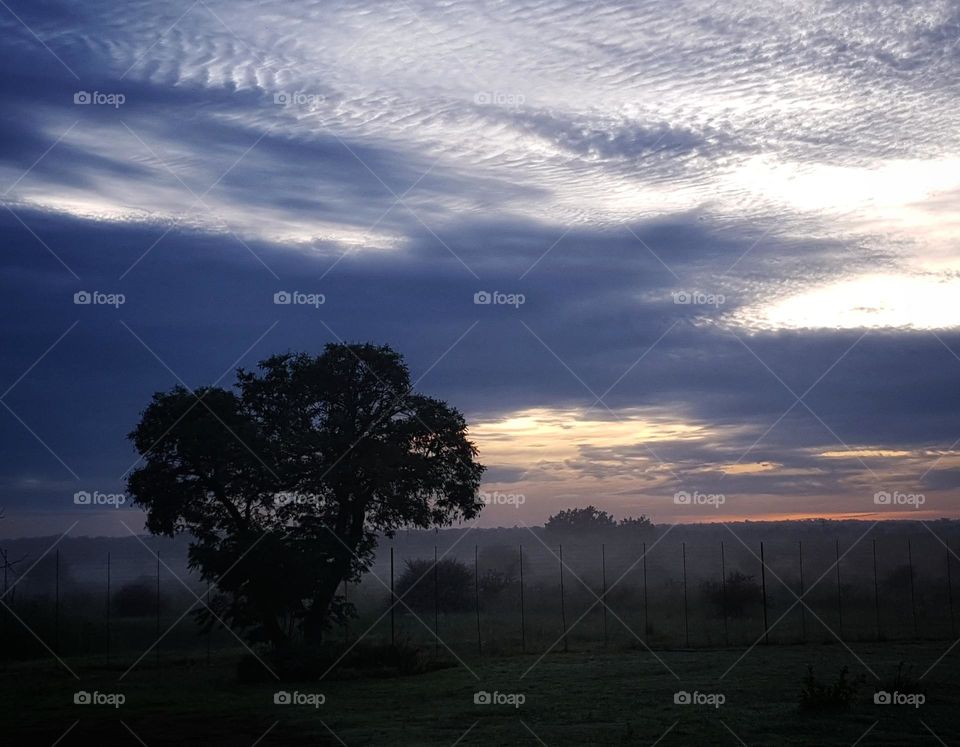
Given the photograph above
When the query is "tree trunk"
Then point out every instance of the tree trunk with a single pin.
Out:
(316, 619)
(349, 529)
(271, 627)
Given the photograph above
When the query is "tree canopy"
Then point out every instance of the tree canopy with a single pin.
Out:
(285, 480)
(590, 519)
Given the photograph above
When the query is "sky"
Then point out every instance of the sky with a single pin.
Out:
(696, 260)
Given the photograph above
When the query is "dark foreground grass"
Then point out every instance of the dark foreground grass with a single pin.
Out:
(582, 698)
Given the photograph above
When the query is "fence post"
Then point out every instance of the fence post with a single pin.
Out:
(876, 593)
(346, 617)
(158, 609)
(56, 608)
(563, 611)
(8, 648)
(646, 609)
(723, 594)
(686, 616)
(953, 627)
(523, 622)
(108, 607)
(763, 589)
(839, 592)
(603, 598)
(476, 594)
(436, 606)
(913, 598)
(393, 603)
(210, 628)
(803, 611)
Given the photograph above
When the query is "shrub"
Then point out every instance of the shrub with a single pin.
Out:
(820, 696)
(453, 582)
(494, 582)
(742, 594)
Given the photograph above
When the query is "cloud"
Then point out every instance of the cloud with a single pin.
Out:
(602, 162)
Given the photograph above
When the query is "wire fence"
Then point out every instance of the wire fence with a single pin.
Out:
(531, 597)
(664, 594)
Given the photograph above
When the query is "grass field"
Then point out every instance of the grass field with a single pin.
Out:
(578, 698)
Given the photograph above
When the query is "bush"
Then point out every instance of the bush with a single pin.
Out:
(454, 586)
(492, 583)
(742, 594)
(819, 696)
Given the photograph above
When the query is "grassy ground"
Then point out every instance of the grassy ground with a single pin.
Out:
(616, 698)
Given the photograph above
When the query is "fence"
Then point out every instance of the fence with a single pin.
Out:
(677, 595)
(532, 597)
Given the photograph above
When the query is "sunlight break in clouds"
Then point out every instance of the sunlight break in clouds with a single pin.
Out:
(798, 160)
(869, 302)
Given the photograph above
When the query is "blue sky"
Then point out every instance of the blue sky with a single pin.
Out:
(732, 227)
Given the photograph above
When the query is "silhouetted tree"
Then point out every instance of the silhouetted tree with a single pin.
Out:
(285, 480)
(579, 520)
(636, 524)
